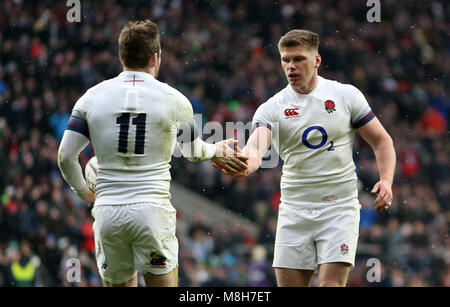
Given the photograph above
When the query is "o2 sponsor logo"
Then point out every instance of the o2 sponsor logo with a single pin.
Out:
(322, 142)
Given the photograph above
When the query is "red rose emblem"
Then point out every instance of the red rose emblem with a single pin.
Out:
(330, 106)
(344, 249)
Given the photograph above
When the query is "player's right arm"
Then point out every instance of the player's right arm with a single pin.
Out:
(71, 145)
(257, 146)
(75, 139)
(373, 132)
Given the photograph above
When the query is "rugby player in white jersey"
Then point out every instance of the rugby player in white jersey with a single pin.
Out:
(134, 122)
(316, 119)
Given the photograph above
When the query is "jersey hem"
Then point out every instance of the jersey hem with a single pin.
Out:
(137, 201)
(351, 201)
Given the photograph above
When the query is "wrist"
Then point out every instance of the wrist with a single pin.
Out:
(387, 181)
(213, 149)
(83, 191)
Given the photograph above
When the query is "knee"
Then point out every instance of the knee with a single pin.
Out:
(331, 283)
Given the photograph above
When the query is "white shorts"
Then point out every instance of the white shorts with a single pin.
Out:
(307, 237)
(134, 237)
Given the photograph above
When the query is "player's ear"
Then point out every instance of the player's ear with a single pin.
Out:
(318, 61)
(154, 60)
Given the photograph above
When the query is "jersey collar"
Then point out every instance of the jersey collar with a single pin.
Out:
(315, 90)
(139, 74)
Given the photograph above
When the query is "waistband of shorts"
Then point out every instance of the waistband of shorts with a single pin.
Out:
(164, 205)
(153, 200)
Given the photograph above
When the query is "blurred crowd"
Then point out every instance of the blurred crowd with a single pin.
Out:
(223, 56)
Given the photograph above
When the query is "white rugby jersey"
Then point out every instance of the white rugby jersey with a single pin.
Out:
(132, 121)
(314, 134)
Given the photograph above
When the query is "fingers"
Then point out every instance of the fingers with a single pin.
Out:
(378, 205)
(223, 170)
(242, 157)
(240, 154)
(381, 202)
(220, 168)
(215, 165)
(232, 149)
(230, 164)
(230, 159)
(239, 164)
(230, 141)
(383, 206)
(229, 168)
(236, 152)
(228, 148)
(89, 196)
(235, 166)
(376, 188)
(384, 198)
(380, 199)
(235, 163)
(230, 144)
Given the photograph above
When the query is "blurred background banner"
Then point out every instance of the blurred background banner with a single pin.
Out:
(223, 56)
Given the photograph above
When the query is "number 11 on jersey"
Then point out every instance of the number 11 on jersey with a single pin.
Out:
(124, 122)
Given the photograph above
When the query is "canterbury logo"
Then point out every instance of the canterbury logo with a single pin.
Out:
(291, 112)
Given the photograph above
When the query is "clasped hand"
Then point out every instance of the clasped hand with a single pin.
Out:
(230, 160)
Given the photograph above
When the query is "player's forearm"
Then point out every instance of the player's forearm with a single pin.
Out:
(69, 150)
(197, 150)
(256, 147)
(254, 159)
(253, 165)
(72, 174)
(386, 158)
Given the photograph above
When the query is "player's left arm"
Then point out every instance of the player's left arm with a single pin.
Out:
(380, 141)
(71, 145)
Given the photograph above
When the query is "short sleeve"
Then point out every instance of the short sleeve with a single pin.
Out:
(184, 118)
(263, 117)
(361, 113)
(77, 121)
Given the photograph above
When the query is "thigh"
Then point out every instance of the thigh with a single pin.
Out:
(337, 235)
(293, 277)
(155, 245)
(294, 246)
(113, 250)
(333, 274)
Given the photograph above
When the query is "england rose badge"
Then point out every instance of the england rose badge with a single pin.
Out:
(330, 107)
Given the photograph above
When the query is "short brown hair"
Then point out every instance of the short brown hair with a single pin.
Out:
(138, 42)
(299, 37)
